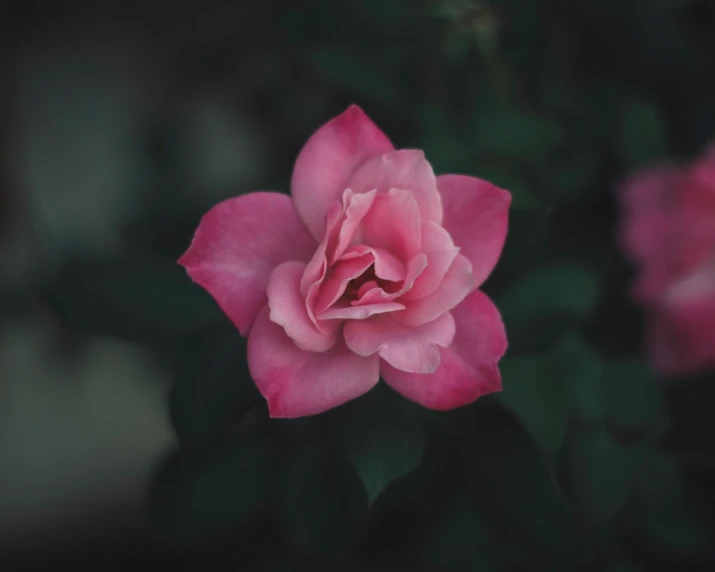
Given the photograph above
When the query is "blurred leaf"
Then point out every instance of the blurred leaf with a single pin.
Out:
(512, 480)
(550, 292)
(538, 397)
(201, 493)
(133, 297)
(408, 488)
(570, 172)
(642, 136)
(528, 231)
(668, 5)
(443, 141)
(622, 564)
(381, 438)
(360, 78)
(455, 46)
(661, 512)
(633, 396)
(462, 540)
(515, 134)
(321, 501)
(600, 472)
(522, 198)
(213, 388)
(545, 300)
(580, 368)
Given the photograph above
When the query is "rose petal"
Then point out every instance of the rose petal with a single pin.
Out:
(297, 383)
(408, 349)
(340, 275)
(415, 267)
(289, 310)
(366, 287)
(355, 207)
(440, 250)
(236, 247)
(406, 169)
(388, 266)
(476, 216)
(468, 368)
(646, 197)
(683, 325)
(393, 223)
(359, 312)
(455, 286)
(318, 265)
(328, 160)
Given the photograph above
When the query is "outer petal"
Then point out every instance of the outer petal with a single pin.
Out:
(468, 368)
(408, 349)
(327, 161)
(476, 216)
(297, 383)
(407, 170)
(455, 286)
(288, 309)
(440, 250)
(236, 247)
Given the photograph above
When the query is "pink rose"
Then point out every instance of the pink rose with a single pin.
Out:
(370, 269)
(668, 229)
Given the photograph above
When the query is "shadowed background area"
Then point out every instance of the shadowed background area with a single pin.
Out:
(130, 431)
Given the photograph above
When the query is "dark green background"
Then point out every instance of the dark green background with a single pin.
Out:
(586, 461)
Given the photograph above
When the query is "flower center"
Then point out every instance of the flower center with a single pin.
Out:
(368, 280)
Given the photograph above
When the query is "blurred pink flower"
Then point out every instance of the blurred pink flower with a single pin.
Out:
(668, 230)
(371, 268)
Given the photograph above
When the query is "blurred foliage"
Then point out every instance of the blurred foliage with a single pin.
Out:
(585, 461)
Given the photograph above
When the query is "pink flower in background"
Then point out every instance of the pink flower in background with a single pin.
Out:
(668, 229)
(371, 268)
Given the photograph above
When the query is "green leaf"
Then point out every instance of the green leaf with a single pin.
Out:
(570, 172)
(537, 396)
(661, 512)
(441, 141)
(514, 134)
(516, 486)
(213, 388)
(600, 473)
(358, 77)
(622, 564)
(381, 438)
(462, 539)
(668, 5)
(202, 493)
(546, 300)
(551, 291)
(321, 502)
(581, 370)
(528, 230)
(642, 137)
(135, 297)
(633, 396)
(522, 198)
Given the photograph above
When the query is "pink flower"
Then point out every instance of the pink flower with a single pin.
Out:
(370, 269)
(668, 229)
